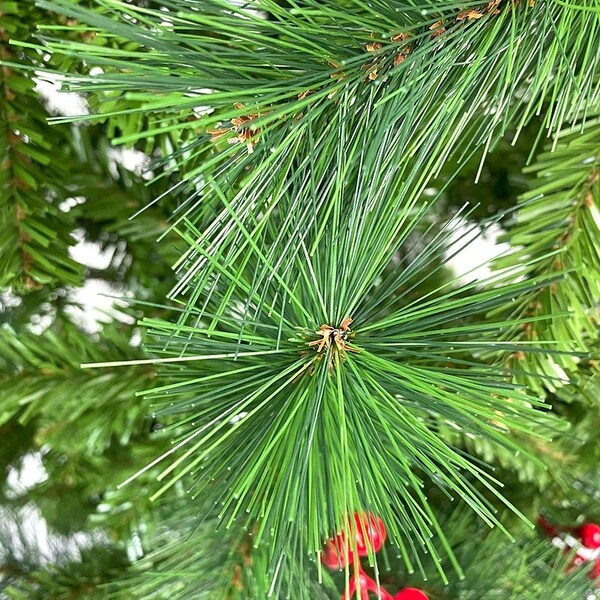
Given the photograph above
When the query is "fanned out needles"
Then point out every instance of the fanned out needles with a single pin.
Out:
(309, 247)
(281, 80)
(326, 429)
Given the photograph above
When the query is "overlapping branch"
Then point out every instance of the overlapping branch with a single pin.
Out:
(35, 235)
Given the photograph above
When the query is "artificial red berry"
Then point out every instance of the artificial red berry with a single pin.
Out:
(411, 594)
(589, 533)
(336, 553)
(369, 530)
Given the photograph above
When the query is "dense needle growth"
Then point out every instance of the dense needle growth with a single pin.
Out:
(303, 391)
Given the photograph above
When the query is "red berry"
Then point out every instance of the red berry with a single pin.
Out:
(411, 594)
(369, 531)
(590, 535)
(336, 552)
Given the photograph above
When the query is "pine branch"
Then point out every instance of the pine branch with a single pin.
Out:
(189, 555)
(266, 374)
(497, 568)
(84, 578)
(472, 64)
(559, 223)
(112, 195)
(42, 382)
(306, 376)
(89, 428)
(269, 383)
(35, 234)
(554, 457)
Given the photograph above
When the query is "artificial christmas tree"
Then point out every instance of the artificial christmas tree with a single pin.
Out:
(306, 393)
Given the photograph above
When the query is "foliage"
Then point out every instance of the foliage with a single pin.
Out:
(307, 350)
(35, 239)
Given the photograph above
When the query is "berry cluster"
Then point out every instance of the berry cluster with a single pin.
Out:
(365, 532)
(585, 540)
